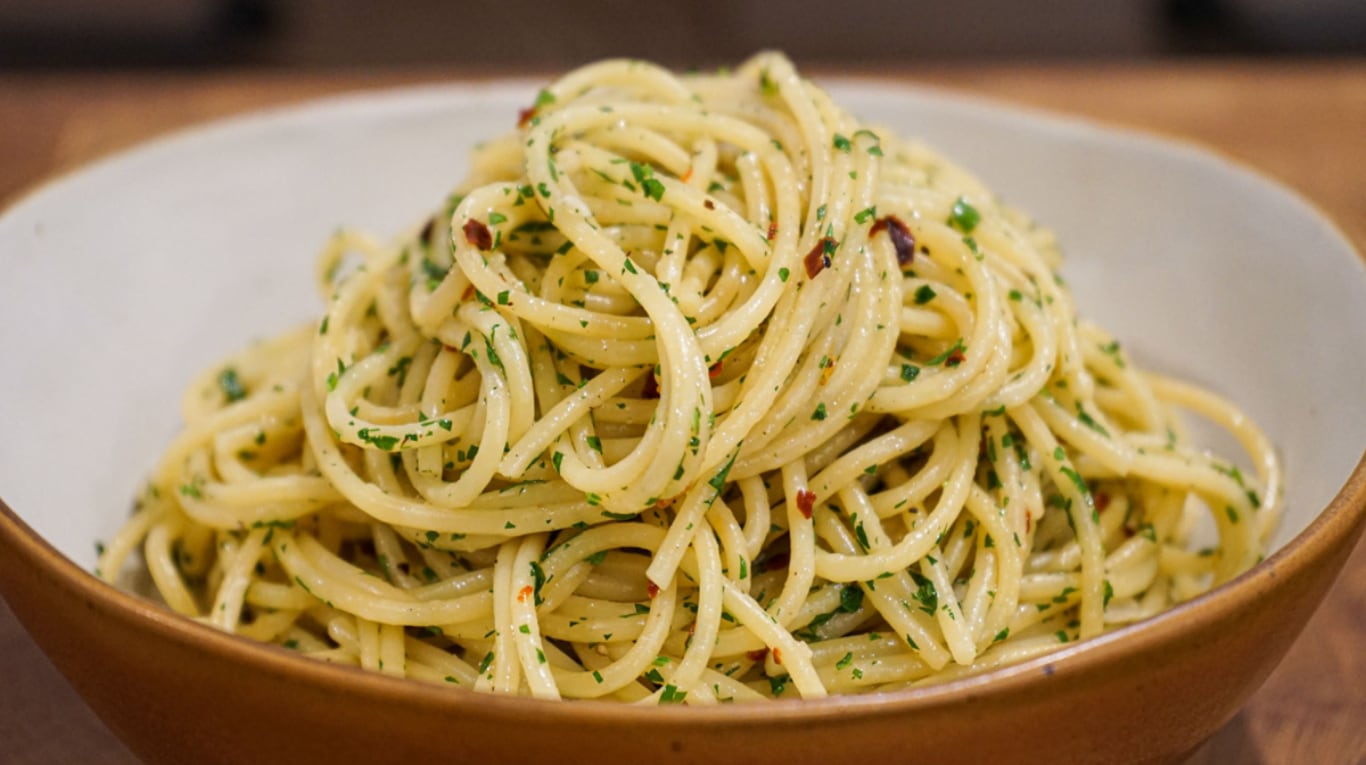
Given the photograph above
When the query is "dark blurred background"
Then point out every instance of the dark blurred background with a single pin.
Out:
(515, 35)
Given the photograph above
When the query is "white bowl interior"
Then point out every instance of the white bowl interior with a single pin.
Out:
(125, 279)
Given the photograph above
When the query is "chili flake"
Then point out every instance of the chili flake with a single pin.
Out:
(477, 234)
(819, 258)
(902, 238)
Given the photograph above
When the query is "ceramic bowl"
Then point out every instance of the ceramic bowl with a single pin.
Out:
(122, 280)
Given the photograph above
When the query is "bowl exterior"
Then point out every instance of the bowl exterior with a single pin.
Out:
(179, 692)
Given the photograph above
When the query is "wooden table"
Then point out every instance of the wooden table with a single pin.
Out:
(1301, 123)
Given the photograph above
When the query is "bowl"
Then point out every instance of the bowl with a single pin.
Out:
(118, 279)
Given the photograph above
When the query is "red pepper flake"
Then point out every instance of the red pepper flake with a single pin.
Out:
(477, 234)
(1102, 501)
(710, 205)
(450, 348)
(652, 590)
(714, 371)
(524, 594)
(819, 258)
(777, 655)
(772, 230)
(687, 176)
(524, 116)
(902, 238)
(954, 358)
(468, 294)
(757, 655)
(806, 501)
(650, 388)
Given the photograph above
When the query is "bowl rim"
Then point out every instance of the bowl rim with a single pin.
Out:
(1340, 521)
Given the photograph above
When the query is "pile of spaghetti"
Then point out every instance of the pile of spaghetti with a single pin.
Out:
(698, 389)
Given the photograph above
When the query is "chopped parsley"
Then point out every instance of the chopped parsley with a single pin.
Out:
(231, 385)
(964, 216)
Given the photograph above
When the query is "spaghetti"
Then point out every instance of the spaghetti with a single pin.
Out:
(698, 389)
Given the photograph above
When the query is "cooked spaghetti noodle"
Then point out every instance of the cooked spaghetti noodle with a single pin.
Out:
(698, 389)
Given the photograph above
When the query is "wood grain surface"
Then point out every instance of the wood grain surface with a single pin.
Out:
(1301, 123)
